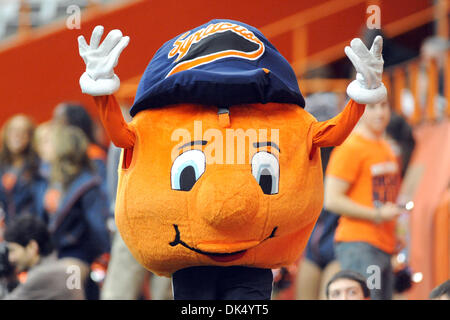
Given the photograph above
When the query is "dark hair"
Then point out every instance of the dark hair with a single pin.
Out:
(76, 115)
(399, 130)
(27, 227)
(443, 288)
(351, 275)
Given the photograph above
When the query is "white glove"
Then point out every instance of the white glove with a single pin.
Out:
(99, 78)
(367, 88)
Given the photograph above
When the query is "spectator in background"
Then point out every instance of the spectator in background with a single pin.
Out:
(399, 134)
(361, 184)
(76, 115)
(441, 292)
(19, 164)
(76, 206)
(31, 250)
(42, 145)
(347, 285)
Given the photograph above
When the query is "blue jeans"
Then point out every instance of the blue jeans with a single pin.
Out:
(365, 259)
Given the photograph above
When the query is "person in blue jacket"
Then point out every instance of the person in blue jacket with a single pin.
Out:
(20, 179)
(75, 203)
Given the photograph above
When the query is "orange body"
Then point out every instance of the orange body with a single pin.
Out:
(225, 218)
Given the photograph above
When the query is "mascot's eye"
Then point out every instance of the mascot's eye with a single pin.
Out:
(266, 170)
(187, 169)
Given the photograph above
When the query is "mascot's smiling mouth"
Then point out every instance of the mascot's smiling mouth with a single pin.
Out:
(220, 257)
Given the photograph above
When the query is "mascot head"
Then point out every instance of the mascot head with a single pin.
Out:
(225, 169)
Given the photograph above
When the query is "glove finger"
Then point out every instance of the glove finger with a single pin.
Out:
(96, 37)
(111, 40)
(115, 53)
(360, 49)
(82, 45)
(355, 60)
(377, 47)
(358, 64)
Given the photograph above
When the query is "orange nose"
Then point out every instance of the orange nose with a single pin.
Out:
(228, 199)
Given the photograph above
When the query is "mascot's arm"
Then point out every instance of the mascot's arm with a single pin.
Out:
(100, 81)
(334, 131)
(111, 116)
(367, 88)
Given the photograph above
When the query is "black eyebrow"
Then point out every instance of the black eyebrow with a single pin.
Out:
(266, 143)
(192, 143)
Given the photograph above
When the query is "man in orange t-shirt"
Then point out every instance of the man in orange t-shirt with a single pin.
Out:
(361, 184)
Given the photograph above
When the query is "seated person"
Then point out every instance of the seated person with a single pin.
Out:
(31, 250)
(347, 285)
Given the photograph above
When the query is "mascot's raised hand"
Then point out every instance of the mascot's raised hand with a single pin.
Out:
(100, 59)
(367, 88)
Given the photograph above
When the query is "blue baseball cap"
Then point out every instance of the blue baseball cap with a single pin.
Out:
(221, 63)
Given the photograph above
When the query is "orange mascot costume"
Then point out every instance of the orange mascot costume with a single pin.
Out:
(221, 171)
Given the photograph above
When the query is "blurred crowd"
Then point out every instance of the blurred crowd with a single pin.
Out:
(57, 195)
(56, 173)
